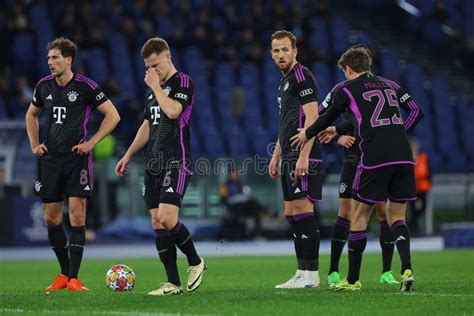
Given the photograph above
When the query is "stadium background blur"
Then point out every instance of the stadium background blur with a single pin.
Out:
(425, 45)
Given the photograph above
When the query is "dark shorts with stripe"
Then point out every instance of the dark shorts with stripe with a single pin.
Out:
(309, 186)
(165, 186)
(394, 182)
(64, 176)
(349, 167)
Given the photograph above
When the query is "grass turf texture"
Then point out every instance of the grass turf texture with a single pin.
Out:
(244, 286)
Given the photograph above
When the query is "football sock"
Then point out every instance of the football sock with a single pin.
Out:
(297, 242)
(310, 239)
(167, 251)
(338, 240)
(401, 235)
(356, 246)
(182, 239)
(76, 248)
(387, 244)
(58, 241)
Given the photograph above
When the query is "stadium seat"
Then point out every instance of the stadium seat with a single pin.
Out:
(323, 79)
(318, 38)
(390, 64)
(96, 64)
(3, 110)
(339, 35)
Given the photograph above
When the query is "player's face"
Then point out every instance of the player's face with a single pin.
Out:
(283, 54)
(160, 62)
(57, 63)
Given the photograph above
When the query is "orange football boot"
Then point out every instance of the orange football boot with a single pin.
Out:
(59, 283)
(76, 285)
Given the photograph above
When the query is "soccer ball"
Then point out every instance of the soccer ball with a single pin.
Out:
(120, 278)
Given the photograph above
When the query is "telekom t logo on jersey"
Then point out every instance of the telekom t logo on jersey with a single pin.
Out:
(155, 114)
(59, 113)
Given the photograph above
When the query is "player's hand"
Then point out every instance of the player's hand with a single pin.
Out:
(152, 79)
(299, 139)
(39, 150)
(301, 169)
(273, 168)
(83, 149)
(346, 141)
(327, 135)
(121, 167)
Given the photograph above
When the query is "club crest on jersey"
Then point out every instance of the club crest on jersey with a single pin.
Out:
(38, 186)
(167, 90)
(72, 96)
(285, 87)
(342, 188)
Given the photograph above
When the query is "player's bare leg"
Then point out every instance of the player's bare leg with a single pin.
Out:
(396, 217)
(53, 216)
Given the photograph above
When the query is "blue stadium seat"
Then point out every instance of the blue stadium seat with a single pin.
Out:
(238, 143)
(96, 64)
(318, 38)
(122, 67)
(390, 63)
(338, 75)
(468, 8)
(224, 76)
(260, 141)
(361, 38)
(213, 142)
(323, 79)
(3, 110)
(196, 146)
(466, 128)
(339, 35)
(165, 27)
(23, 51)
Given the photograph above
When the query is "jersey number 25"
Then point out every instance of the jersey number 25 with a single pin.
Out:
(391, 98)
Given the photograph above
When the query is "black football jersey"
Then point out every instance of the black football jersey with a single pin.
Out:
(380, 129)
(296, 89)
(349, 126)
(68, 111)
(169, 142)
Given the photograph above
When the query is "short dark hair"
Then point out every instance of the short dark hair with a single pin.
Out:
(65, 46)
(356, 58)
(284, 33)
(364, 47)
(154, 45)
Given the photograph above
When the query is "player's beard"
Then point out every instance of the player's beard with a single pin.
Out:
(285, 68)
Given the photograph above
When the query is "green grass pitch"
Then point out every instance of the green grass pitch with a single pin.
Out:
(244, 286)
